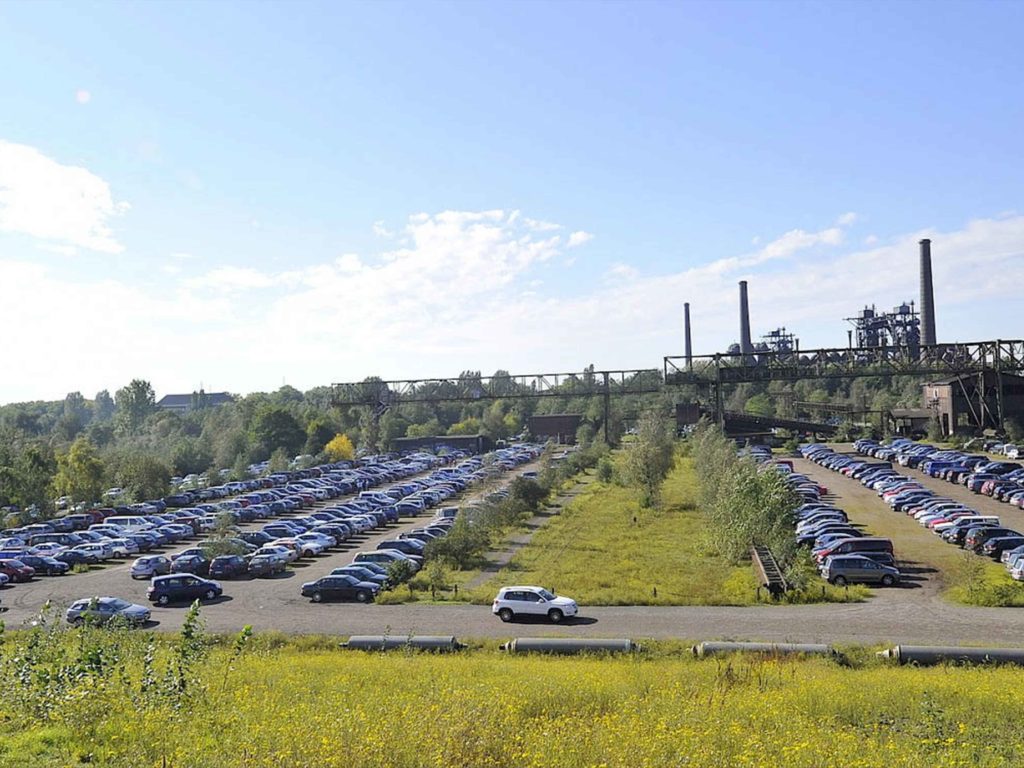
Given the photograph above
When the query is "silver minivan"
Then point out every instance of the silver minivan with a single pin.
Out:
(850, 569)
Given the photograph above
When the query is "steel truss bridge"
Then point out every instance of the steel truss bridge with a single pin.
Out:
(710, 372)
(383, 395)
(936, 360)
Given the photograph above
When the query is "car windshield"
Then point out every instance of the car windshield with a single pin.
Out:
(546, 595)
(118, 604)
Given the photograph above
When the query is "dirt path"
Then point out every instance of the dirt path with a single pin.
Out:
(516, 542)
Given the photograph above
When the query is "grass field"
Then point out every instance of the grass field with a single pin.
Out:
(86, 700)
(595, 552)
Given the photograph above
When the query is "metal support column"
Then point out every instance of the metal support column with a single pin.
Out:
(719, 408)
(607, 406)
(998, 364)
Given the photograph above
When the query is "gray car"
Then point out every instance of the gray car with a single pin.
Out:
(103, 609)
(849, 569)
(149, 566)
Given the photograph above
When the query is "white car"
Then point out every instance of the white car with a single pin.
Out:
(532, 601)
(282, 553)
(49, 549)
(99, 551)
(310, 546)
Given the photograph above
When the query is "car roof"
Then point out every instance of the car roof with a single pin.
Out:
(536, 589)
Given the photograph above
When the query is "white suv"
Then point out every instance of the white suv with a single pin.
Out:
(532, 601)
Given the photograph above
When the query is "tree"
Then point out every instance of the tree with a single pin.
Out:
(103, 406)
(340, 448)
(134, 404)
(274, 427)
(144, 477)
(79, 472)
(26, 476)
(650, 457)
(190, 455)
(74, 416)
(470, 426)
(318, 433)
(279, 461)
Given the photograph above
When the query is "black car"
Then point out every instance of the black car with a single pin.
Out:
(74, 557)
(182, 586)
(263, 566)
(341, 587)
(228, 567)
(45, 566)
(363, 574)
(256, 538)
(194, 564)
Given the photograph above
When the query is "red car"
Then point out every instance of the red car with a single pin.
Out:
(16, 570)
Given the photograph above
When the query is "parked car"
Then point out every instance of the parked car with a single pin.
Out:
(149, 566)
(511, 602)
(340, 587)
(74, 557)
(228, 567)
(16, 570)
(262, 566)
(195, 564)
(103, 609)
(849, 569)
(182, 586)
(45, 566)
(363, 574)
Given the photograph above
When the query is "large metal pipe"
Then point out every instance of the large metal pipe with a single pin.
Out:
(746, 345)
(773, 649)
(689, 345)
(568, 645)
(397, 642)
(927, 294)
(921, 654)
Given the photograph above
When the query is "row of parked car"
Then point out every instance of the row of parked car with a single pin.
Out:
(52, 547)
(843, 552)
(1000, 479)
(190, 574)
(955, 522)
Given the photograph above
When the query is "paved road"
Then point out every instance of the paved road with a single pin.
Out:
(892, 616)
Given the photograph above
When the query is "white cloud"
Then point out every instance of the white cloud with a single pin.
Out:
(871, 240)
(468, 291)
(381, 231)
(62, 205)
(231, 279)
(579, 238)
(846, 219)
(83, 96)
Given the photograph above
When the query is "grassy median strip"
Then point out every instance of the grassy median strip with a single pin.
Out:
(179, 703)
(604, 549)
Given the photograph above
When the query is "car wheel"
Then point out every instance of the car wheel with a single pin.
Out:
(888, 580)
(163, 599)
(317, 597)
(77, 622)
(555, 616)
(839, 581)
(363, 597)
(210, 594)
(506, 615)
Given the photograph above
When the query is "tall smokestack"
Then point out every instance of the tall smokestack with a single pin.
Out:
(746, 345)
(689, 346)
(927, 294)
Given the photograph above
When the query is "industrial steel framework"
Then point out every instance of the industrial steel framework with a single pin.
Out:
(959, 359)
(382, 395)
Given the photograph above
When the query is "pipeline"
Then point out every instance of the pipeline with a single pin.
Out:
(776, 649)
(924, 655)
(396, 642)
(568, 646)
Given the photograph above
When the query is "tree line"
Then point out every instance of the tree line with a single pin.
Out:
(78, 447)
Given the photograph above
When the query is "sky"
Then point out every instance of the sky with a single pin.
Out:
(235, 196)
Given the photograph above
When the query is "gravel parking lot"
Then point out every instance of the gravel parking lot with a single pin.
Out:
(915, 616)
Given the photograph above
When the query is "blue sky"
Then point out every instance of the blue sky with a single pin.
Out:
(240, 194)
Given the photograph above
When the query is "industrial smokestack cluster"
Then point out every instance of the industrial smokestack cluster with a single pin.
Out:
(927, 294)
(746, 345)
(689, 345)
